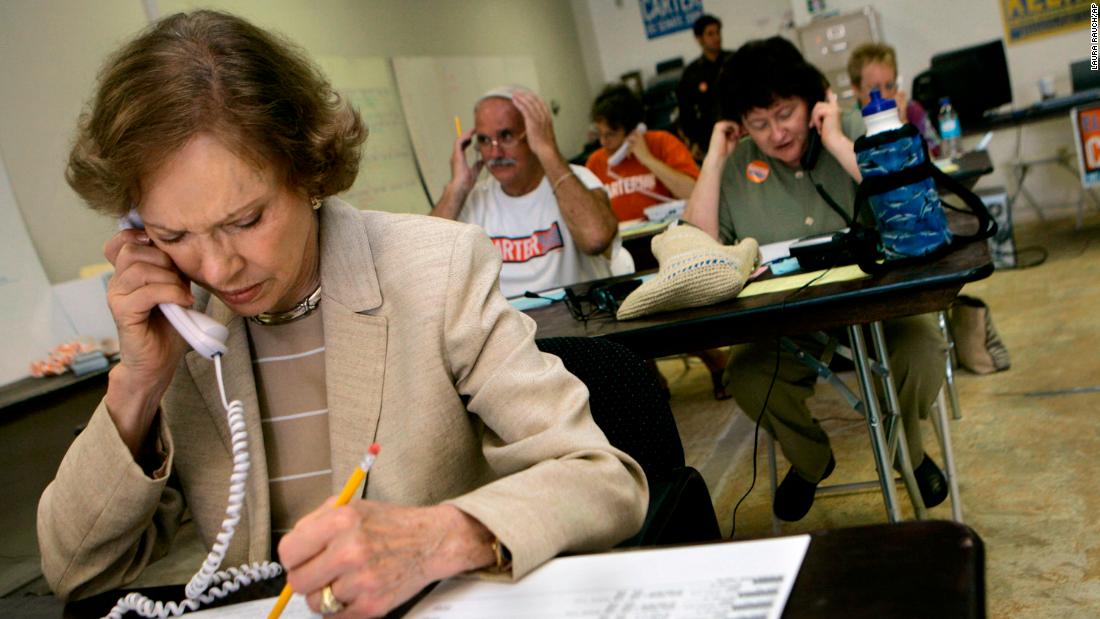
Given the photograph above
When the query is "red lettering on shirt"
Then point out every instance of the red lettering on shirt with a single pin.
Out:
(632, 184)
(522, 249)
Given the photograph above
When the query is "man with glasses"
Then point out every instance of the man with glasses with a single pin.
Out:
(551, 221)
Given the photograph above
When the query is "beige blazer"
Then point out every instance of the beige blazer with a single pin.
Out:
(424, 356)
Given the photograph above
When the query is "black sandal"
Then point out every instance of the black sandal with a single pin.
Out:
(719, 386)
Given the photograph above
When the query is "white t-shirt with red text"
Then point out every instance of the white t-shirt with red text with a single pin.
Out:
(532, 237)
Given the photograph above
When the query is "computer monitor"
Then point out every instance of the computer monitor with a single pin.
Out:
(1082, 77)
(671, 64)
(976, 79)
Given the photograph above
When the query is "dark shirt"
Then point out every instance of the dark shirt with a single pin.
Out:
(698, 98)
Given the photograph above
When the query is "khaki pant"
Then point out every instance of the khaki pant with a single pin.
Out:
(918, 353)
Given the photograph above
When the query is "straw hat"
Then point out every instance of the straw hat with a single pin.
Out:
(695, 270)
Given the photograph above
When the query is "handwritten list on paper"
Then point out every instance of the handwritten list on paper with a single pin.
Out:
(388, 178)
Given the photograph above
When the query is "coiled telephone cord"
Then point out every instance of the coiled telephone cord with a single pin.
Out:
(209, 584)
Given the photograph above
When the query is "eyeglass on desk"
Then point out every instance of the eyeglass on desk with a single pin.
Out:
(904, 291)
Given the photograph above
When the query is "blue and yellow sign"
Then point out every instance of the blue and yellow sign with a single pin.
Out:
(1026, 19)
(663, 17)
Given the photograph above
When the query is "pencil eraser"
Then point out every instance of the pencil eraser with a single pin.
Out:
(374, 449)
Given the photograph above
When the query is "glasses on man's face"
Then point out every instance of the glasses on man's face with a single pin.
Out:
(505, 139)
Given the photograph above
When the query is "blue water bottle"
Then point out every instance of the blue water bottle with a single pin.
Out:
(906, 205)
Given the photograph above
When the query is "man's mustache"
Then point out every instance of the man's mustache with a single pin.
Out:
(501, 161)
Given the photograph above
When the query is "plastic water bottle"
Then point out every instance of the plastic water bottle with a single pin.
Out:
(908, 217)
(950, 130)
(880, 114)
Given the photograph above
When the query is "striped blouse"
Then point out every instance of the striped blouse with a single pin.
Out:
(289, 366)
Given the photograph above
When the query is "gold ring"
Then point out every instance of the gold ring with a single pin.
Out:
(329, 604)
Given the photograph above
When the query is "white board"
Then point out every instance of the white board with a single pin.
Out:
(32, 324)
(388, 178)
(436, 89)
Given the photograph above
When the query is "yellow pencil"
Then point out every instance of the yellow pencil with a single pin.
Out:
(352, 484)
(458, 127)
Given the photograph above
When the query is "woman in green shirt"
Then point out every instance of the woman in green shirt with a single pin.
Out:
(784, 132)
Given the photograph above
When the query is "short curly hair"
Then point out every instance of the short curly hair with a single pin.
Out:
(212, 72)
(619, 107)
(866, 54)
(764, 70)
(700, 25)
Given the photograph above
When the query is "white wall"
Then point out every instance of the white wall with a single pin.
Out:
(616, 34)
(49, 55)
(50, 51)
(918, 30)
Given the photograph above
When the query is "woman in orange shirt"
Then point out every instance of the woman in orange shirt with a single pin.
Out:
(659, 168)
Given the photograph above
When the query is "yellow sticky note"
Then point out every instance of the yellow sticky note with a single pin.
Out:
(798, 280)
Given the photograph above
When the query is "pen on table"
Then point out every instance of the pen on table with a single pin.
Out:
(352, 484)
(458, 126)
(984, 142)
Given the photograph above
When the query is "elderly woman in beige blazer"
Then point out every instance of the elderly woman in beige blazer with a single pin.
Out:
(228, 143)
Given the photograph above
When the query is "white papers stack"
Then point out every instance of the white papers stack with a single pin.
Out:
(735, 580)
(739, 580)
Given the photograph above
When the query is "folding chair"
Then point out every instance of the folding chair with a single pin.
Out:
(897, 450)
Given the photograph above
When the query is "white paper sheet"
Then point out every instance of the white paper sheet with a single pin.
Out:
(736, 580)
(774, 251)
(85, 303)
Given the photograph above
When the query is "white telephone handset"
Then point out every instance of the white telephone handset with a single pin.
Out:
(624, 150)
(208, 338)
(206, 335)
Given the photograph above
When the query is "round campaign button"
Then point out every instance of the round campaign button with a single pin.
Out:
(703, 86)
(757, 171)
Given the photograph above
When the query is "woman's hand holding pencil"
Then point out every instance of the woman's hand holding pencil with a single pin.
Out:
(365, 558)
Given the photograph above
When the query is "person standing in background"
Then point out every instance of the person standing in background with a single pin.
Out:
(695, 94)
(875, 65)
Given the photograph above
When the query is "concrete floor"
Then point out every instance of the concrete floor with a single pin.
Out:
(1025, 448)
(1026, 462)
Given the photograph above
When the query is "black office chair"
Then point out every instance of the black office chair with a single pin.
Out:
(629, 406)
(659, 99)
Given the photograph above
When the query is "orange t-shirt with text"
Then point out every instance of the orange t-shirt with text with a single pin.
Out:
(629, 182)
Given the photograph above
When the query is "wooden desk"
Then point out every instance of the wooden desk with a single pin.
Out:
(907, 570)
(903, 291)
(1041, 110)
(972, 166)
(27, 389)
(932, 568)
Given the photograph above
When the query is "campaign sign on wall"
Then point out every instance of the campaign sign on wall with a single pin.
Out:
(1028, 19)
(1086, 128)
(662, 17)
